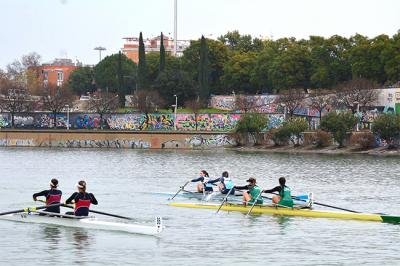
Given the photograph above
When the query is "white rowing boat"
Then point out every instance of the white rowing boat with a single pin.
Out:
(89, 222)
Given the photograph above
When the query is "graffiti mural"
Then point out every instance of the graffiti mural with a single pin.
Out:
(210, 141)
(275, 120)
(224, 122)
(119, 144)
(185, 122)
(4, 121)
(47, 121)
(86, 121)
(157, 122)
(124, 121)
(17, 142)
(23, 121)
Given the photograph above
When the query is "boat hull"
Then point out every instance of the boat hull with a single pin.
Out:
(294, 212)
(89, 223)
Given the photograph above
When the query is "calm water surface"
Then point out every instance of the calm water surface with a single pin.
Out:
(118, 178)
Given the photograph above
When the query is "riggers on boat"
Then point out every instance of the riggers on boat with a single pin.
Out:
(269, 209)
(300, 200)
(88, 222)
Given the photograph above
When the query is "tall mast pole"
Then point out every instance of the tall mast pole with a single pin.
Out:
(175, 25)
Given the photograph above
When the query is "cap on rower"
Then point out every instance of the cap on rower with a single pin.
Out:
(53, 182)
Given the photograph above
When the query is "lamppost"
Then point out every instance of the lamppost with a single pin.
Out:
(67, 105)
(284, 111)
(357, 104)
(176, 106)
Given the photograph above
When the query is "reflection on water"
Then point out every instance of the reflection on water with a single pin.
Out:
(52, 234)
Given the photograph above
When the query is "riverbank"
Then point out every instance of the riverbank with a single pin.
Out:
(333, 150)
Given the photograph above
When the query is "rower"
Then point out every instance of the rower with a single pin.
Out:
(81, 200)
(204, 185)
(225, 185)
(284, 198)
(253, 192)
(53, 196)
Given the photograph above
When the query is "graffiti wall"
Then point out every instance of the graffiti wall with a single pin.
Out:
(135, 122)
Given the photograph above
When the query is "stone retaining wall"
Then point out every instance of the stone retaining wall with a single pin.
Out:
(112, 139)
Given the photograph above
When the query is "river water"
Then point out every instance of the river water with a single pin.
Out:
(118, 178)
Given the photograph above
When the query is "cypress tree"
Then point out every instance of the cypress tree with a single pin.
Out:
(142, 82)
(162, 53)
(204, 71)
(121, 89)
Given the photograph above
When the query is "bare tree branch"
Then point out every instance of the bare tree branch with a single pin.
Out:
(358, 91)
(103, 103)
(292, 99)
(54, 99)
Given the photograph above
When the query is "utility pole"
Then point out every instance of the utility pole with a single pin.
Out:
(99, 48)
(175, 25)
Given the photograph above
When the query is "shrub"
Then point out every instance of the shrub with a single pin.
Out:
(295, 127)
(365, 140)
(338, 124)
(249, 126)
(322, 139)
(387, 127)
(280, 136)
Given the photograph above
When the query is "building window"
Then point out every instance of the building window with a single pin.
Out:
(45, 76)
(60, 76)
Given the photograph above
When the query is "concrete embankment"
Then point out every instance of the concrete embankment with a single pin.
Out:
(114, 139)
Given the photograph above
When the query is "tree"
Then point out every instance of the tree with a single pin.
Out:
(147, 101)
(241, 43)
(175, 81)
(387, 127)
(204, 71)
(320, 101)
(245, 103)
(217, 55)
(109, 71)
(54, 99)
(291, 67)
(15, 99)
(81, 80)
(103, 102)
(291, 100)
(142, 82)
(237, 73)
(23, 73)
(338, 125)
(162, 53)
(361, 92)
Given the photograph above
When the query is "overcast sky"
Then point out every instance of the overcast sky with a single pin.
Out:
(72, 28)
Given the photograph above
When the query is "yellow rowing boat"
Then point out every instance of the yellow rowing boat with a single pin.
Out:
(264, 209)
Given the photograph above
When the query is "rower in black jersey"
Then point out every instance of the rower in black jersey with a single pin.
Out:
(81, 200)
(53, 196)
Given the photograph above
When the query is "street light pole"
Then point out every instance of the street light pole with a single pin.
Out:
(99, 48)
(176, 106)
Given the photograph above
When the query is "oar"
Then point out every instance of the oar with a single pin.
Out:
(98, 212)
(225, 199)
(181, 188)
(323, 204)
(104, 213)
(254, 203)
(29, 209)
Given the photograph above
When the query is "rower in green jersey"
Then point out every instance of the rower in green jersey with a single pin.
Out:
(285, 197)
(252, 193)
